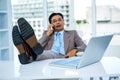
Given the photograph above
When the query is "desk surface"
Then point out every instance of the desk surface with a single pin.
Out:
(41, 70)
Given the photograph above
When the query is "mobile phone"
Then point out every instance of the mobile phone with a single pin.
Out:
(52, 28)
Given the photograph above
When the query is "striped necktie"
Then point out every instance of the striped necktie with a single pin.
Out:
(58, 44)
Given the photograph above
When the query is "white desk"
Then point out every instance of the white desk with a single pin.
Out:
(108, 66)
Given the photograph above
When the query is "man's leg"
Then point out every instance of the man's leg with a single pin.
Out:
(30, 51)
(48, 54)
(18, 42)
(28, 36)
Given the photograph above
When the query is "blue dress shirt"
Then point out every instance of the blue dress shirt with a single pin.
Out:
(58, 44)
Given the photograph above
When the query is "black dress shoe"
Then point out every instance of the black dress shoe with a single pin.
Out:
(18, 42)
(29, 37)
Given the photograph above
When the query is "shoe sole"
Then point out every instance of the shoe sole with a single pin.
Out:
(18, 42)
(29, 36)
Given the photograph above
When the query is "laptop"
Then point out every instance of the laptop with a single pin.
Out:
(92, 54)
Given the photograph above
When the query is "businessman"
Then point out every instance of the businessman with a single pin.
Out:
(55, 42)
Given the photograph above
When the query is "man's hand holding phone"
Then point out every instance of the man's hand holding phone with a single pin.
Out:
(50, 29)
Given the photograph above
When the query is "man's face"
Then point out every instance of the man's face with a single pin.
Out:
(58, 23)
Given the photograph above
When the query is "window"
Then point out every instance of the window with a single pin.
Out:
(108, 22)
(108, 17)
(81, 13)
(31, 10)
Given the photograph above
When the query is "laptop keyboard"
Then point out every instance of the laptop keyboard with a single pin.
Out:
(73, 61)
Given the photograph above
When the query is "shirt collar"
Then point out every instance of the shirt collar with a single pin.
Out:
(61, 32)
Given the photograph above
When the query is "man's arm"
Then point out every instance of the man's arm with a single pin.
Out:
(46, 36)
(71, 53)
(79, 46)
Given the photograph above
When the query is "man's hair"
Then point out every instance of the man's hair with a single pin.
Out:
(54, 14)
